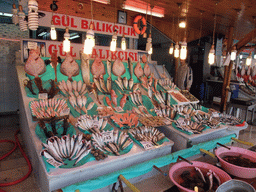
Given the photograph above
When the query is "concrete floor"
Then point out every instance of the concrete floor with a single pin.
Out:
(14, 166)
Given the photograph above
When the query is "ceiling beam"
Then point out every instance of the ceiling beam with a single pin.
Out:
(247, 39)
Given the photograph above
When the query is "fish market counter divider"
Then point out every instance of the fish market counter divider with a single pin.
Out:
(60, 177)
(182, 140)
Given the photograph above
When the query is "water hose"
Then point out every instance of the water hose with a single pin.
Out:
(16, 144)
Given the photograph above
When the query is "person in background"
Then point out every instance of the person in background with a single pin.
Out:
(184, 76)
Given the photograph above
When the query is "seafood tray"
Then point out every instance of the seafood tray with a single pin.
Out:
(125, 120)
(45, 109)
(66, 152)
(45, 130)
(156, 121)
(95, 124)
(179, 98)
(147, 137)
(189, 96)
(229, 119)
(112, 142)
(32, 90)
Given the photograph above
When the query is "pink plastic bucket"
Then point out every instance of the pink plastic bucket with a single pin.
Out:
(235, 170)
(177, 169)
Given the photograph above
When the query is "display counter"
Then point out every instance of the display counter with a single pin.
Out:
(60, 177)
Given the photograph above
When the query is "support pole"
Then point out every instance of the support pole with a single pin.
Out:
(227, 74)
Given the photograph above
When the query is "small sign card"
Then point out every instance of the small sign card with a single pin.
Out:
(43, 96)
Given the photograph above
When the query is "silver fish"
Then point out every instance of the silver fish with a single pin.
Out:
(135, 87)
(86, 152)
(69, 85)
(201, 174)
(109, 67)
(119, 85)
(74, 85)
(53, 152)
(125, 83)
(131, 82)
(132, 97)
(83, 89)
(79, 86)
(140, 97)
(47, 155)
(109, 84)
(150, 93)
(97, 83)
(102, 84)
(89, 107)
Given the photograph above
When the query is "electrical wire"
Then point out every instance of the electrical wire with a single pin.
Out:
(201, 27)
(16, 144)
(213, 38)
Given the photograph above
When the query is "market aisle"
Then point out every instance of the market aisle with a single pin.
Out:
(14, 166)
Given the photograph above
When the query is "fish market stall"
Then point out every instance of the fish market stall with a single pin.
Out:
(87, 118)
(50, 178)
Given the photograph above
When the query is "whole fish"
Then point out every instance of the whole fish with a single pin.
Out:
(147, 71)
(96, 96)
(47, 155)
(79, 86)
(69, 67)
(109, 84)
(131, 82)
(120, 85)
(123, 101)
(132, 97)
(102, 84)
(140, 97)
(89, 107)
(125, 82)
(155, 83)
(97, 83)
(108, 101)
(109, 67)
(97, 68)
(130, 65)
(113, 97)
(85, 68)
(118, 68)
(135, 87)
(138, 71)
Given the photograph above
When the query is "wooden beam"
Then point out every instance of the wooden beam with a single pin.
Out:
(247, 39)
(227, 73)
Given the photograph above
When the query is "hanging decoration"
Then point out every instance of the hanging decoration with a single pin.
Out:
(211, 56)
(249, 59)
(183, 50)
(32, 15)
(22, 21)
(53, 32)
(66, 42)
(233, 54)
(114, 37)
(15, 17)
(177, 51)
(171, 47)
(149, 47)
(123, 43)
(89, 42)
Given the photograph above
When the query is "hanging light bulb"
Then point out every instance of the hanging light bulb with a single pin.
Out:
(113, 42)
(249, 59)
(233, 54)
(254, 56)
(171, 49)
(241, 56)
(182, 24)
(66, 42)
(32, 15)
(149, 48)
(183, 50)
(89, 42)
(211, 57)
(123, 44)
(15, 18)
(22, 22)
(53, 32)
(177, 51)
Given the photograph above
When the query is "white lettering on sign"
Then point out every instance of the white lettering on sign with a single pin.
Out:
(82, 24)
(32, 45)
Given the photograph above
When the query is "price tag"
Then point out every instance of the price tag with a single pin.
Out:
(215, 114)
(107, 136)
(119, 109)
(65, 112)
(32, 45)
(96, 124)
(147, 145)
(54, 163)
(43, 96)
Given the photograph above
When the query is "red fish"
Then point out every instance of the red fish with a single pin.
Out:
(123, 101)
(113, 97)
(98, 68)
